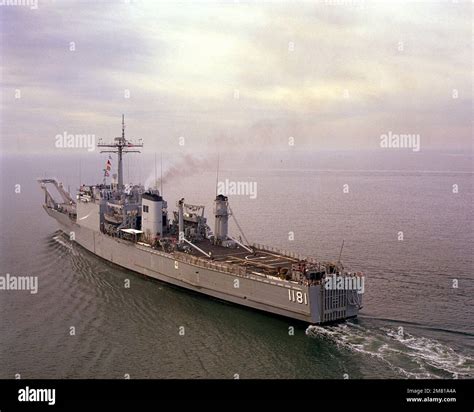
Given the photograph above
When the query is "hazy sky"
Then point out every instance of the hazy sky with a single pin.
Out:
(332, 74)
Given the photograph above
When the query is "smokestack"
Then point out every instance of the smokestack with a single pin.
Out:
(221, 210)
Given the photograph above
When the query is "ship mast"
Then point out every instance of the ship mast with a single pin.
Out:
(120, 146)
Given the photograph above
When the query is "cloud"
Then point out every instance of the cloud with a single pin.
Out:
(317, 71)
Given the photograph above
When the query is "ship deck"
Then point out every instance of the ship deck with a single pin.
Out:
(261, 262)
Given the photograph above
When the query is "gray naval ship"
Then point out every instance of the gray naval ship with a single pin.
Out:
(130, 226)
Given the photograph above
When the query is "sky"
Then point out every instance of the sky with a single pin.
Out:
(237, 75)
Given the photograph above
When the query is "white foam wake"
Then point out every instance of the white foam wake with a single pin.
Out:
(406, 354)
(63, 243)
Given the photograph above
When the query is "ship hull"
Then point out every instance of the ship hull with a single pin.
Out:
(288, 299)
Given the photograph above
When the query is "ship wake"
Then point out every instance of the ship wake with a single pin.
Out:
(410, 356)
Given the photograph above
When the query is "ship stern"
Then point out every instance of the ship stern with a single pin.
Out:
(334, 300)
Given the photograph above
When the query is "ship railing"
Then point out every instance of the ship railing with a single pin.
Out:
(207, 264)
(286, 253)
(221, 267)
(213, 265)
(197, 261)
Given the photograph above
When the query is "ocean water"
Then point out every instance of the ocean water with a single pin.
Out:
(414, 323)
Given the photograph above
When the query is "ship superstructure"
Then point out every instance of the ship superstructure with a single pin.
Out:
(130, 225)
